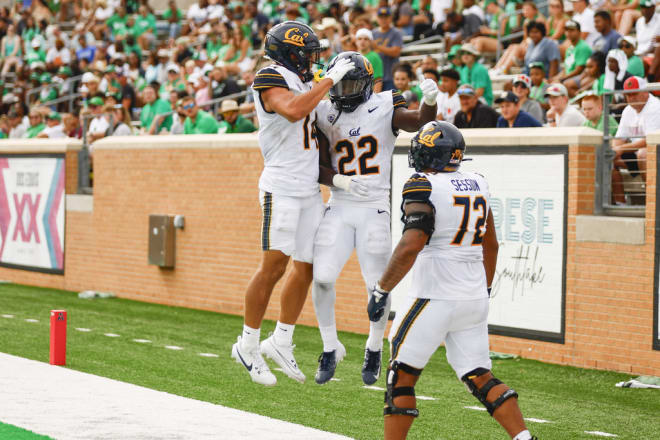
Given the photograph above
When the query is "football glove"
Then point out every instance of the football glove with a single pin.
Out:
(377, 303)
(341, 68)
(430, 91)
(351, 184)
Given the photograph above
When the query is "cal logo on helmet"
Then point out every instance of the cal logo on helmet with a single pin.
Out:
(295, 37)
(429, 139)
(368, 66)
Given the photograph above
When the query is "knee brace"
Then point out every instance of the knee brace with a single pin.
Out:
(392, 391)
(482, 393)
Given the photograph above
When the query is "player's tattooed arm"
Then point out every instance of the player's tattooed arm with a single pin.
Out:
(490, 248)
(413, 120)
(326, 173)
(404, 256)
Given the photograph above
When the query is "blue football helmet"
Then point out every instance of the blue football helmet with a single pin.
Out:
(295, 46)
(438, 146)
(357, 85)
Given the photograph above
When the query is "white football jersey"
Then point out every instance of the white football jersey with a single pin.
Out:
(451, 265)
(290, 150)
(362, 143)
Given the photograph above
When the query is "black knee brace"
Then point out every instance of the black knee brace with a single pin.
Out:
(392, 392)
(482, 393)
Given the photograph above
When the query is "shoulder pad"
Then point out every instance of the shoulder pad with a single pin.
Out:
(398, 100)
(269, 77)
(417, 188)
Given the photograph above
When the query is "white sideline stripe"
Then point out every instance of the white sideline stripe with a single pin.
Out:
(84, 330)
(532, 419)
(31, 320)
(209, 355)
(476, 408)
(142, 341)
(8, 316)
(68, 404)
(371, 387)
(600, 433)
(173, 347)
(111, 335)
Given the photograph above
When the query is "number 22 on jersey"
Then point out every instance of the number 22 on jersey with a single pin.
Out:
(367, 148)
(468, 204)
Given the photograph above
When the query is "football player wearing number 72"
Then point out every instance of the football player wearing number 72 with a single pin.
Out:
(357, 130)
(285, 98)
(450, 243)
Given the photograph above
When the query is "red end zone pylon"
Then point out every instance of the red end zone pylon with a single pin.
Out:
(58, 337)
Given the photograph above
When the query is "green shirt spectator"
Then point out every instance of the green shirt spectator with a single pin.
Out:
(635, 66)
(153, 108)
(168, 14)
(117, 22)
(577, 56)
(204, 123)
(144, 24)
(213, 46)
(232, 121)
(475, 74)
(34, 130)
(613, 125)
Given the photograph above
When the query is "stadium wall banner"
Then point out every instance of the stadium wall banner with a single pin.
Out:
(32, 212)
(528, 187)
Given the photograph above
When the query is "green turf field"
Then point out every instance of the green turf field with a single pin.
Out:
(16, 433)
(573, 400)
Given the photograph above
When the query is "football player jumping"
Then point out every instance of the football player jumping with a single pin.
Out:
(357, 130)
(450, 243)
(285, 98)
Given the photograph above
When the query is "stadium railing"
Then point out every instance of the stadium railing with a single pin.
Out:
(633, 183)
(74, 80)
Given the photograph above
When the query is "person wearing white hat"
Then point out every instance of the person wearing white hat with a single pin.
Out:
(561, 114)
(363, 41)
(628, 45)
(232, 121)
(522, 85)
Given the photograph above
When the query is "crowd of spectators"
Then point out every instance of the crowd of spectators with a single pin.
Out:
(118, 67)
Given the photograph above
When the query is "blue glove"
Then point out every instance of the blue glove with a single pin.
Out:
(377, 303)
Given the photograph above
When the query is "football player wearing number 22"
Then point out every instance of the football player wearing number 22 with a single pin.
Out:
(356, 130)
(450, 243)
(285, 98)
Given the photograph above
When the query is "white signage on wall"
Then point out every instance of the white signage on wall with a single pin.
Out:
(527, 200)
(32, 212)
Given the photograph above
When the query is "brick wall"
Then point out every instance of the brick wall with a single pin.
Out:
(213, 183)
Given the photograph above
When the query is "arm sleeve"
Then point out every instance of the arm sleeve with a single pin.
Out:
(267, 78)
(416, 189)
(398, 100)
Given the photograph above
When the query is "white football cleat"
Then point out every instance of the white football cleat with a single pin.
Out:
(254, 363)
(283, 356)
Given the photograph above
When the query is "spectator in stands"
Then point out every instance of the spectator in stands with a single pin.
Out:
(608, 38)
(512, 116)
(144, 29)
(628, 45)
(584, 15)
(221, 85)
(448, 102)
(592, 107)
(173, 15)
(10, 51)
(475, 74)
(440, 9)
(625, 14)
(363, 41)
(197, 121)
(561, 114)
(232, 121)
(36, 124)
(387, 43)
(454, 58)
(403, 14)
(402, 79)
(616, 70)
(474, 114)
(576, 58)
(486, 41)
(86, 52)
(154, 115)
(72, 126)
(556, 21)
(647, 28)
(197, 14)
(99, 123)
(639, 118)
(541, 48)
(4, 127)
(48, 91)
(54, 128)
(593, 76)
(522, 85)
(17, 127)
(119, 121)
(460, 29)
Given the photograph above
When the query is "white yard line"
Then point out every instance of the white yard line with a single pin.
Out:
(173, 347)
(600, 433)
(372, 387)
(111, 335)
(532, 419)
(476, 408)
(84, 330)
(8, 316)
(68, 404)
(209, 355)
(425, 398)
(31, 320)
(142, 341)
